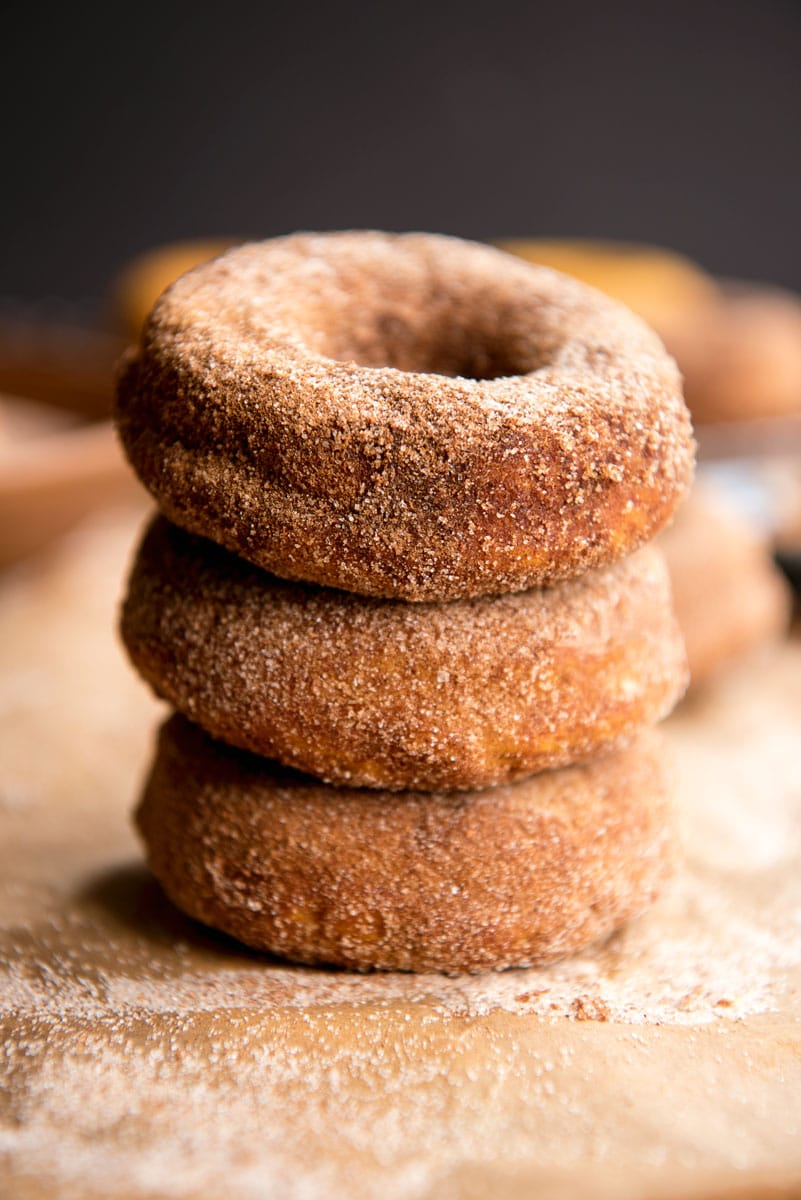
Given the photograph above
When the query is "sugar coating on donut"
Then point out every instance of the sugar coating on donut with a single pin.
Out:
(448, 882)
(407, 416)
(381, 693)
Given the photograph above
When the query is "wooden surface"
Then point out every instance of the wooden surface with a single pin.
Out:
(143, 1056)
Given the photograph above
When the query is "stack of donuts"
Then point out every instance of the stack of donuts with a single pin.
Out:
(400, 594)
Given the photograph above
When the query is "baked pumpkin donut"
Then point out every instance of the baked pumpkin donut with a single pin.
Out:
(412, 881)
(406, 416)
(380, 693)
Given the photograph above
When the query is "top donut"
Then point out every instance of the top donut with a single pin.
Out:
(404, 415)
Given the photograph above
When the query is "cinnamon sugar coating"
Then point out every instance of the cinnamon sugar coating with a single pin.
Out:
(406, 416)
(380, 693)
(451, 882)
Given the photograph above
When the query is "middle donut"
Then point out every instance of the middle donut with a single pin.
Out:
(381, 693)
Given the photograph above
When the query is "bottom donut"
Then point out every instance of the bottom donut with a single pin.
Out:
(455, 882)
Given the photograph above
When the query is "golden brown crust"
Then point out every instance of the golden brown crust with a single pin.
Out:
(380, 693)
(729, 596)
(404, 415)
(461, 881)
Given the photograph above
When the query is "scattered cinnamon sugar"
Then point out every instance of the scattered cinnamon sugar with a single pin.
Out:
(143, 1056)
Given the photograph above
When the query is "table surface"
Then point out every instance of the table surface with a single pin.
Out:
(144, 1056)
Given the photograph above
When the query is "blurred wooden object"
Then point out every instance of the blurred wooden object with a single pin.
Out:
(59, 457)
(54, 470)
(59, 362)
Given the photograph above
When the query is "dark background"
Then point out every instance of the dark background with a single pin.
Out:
(677, 123)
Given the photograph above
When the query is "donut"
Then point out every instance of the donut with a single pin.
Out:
(666, 289)
(404, 415)
(742, 358)
(729, 596)
(380, 693)
(412, 881)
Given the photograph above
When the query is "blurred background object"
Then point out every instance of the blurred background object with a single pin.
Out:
(730, 598)
(738, 345)
(60, 358)
(666, 289)
(55, 468)
(742, 358)
(59, 456)
(141, 282)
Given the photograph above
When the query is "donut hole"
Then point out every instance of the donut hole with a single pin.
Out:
(480, 345)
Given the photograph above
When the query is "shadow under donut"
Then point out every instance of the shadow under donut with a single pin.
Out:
(131, 904)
